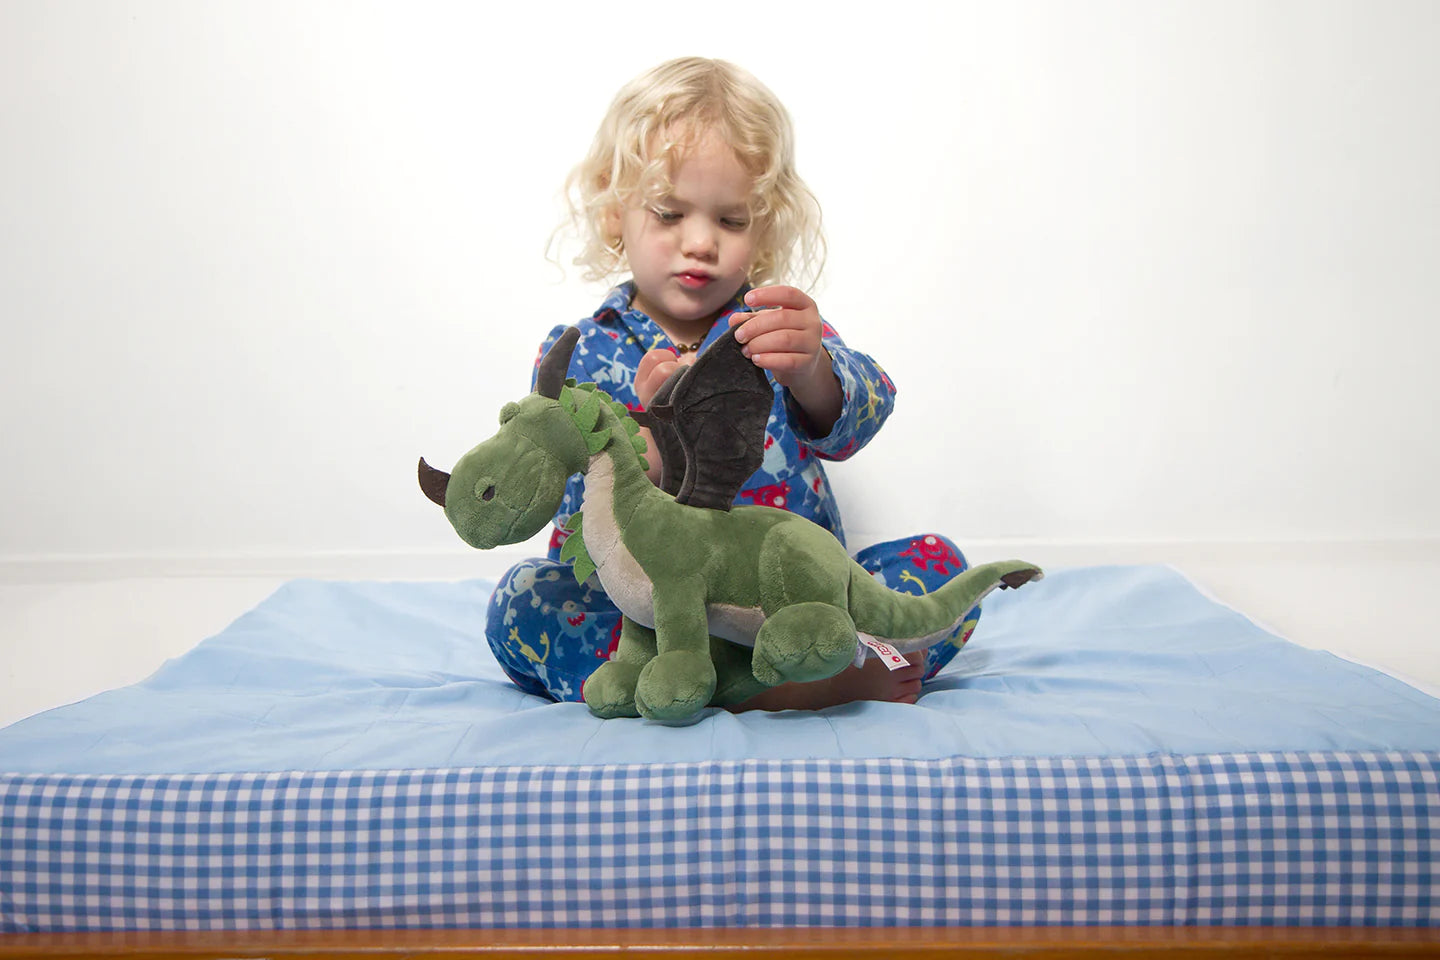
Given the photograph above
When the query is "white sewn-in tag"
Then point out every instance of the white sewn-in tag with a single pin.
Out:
(891, 657)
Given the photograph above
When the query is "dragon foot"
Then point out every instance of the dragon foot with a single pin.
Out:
(609, 692)
(804, 642)
(675, 686)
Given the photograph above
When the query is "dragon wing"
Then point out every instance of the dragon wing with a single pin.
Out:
(717, 407)
(663, 436)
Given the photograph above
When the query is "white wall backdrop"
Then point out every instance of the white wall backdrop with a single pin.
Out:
(1142, 271)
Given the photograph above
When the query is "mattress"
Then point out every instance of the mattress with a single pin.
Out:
(1112, 747)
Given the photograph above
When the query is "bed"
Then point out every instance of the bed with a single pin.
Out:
(1117, 762)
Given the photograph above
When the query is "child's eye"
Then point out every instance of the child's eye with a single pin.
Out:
(730, 223)
(665, 216)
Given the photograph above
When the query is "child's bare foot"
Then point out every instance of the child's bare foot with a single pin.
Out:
(871, 681)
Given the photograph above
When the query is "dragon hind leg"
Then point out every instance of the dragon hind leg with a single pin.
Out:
(734, 680)
(804, 642)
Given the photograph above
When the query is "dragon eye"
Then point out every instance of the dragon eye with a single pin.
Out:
(489, 493)
(507, 412)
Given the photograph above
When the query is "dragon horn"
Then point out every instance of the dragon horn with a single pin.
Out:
(555, 364)
(433, 482)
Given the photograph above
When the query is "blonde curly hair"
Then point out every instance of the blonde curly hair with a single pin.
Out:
(651, 123)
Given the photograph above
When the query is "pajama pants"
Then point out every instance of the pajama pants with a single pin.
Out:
(550, 633)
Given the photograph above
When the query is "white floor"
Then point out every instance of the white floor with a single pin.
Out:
(68, 632)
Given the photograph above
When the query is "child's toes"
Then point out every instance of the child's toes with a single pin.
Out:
(905, 683)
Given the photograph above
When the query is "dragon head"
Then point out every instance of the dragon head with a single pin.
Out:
(507, 489)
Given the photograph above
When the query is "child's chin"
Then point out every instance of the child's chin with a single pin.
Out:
(700, 304)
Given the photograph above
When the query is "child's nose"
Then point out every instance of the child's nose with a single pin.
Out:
(699, 240)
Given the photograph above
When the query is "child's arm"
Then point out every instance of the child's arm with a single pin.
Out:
(785, 336)
(843, 396)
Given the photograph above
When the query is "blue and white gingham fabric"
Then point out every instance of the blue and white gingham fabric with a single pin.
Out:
(1273, 838)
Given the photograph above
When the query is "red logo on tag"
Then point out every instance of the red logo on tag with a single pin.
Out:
(891, 657)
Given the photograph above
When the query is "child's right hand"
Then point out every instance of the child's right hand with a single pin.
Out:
(655, 368)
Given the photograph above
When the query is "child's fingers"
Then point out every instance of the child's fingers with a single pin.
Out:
(782, 363)
(780, 340)
(751, 325)
(764, 322)
(655, 366)
(651, 363)
(756, 322)
(652, 357)
(779, 296)
(774, 362)
(907, 682)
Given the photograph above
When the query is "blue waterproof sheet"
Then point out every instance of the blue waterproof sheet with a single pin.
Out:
(1093, 662)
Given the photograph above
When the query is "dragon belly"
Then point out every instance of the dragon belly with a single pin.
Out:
(625, 580)
(631, 589)
(736, 624)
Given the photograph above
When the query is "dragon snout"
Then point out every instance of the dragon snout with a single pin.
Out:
(434, 482)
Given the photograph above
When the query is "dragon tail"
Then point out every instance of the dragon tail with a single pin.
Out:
(909, 623)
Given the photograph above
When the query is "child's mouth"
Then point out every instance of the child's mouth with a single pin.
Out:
(693, 280)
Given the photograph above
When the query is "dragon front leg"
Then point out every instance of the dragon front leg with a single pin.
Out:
(610, 691)
(679, 682)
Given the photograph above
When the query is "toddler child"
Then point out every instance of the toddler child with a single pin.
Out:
(690, 187)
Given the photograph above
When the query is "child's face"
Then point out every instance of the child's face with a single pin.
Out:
(690, 251)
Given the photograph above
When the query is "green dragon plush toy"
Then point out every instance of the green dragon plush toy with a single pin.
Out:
(718, 603)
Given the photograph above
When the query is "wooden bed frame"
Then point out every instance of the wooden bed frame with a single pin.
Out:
(810, 944)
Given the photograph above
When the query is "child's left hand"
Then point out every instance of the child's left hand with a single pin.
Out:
(786, 339)
(783, 336)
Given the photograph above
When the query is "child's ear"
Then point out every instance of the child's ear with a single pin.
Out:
(610, 223)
